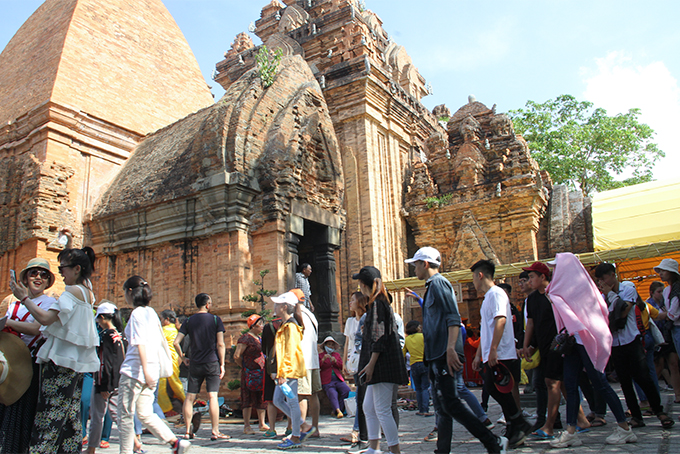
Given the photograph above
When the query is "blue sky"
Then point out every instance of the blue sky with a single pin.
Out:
(617, 54)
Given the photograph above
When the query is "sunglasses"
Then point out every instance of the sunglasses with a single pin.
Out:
(35, 273)
(61, 268)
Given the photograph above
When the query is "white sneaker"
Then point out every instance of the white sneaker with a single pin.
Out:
(621, 436)
(528, 415)
(501, 420)
(181, 446)
(503, 442)
(565, 440)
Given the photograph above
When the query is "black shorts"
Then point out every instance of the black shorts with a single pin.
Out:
(552, 364)
(210, 372)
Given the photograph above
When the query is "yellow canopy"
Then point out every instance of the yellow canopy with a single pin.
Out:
(636, 215)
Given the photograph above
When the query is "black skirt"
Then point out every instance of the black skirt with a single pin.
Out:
(16, 420)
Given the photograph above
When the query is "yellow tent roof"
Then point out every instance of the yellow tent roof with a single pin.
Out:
(636, 215)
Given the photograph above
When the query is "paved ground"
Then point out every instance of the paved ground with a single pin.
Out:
(651, 439)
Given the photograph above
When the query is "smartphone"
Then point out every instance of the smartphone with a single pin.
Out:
(362, 379)
(13, 275)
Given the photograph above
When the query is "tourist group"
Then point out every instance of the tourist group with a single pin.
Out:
(69, 361)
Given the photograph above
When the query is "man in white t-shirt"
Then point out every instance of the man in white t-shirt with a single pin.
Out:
(497, 347)
(309, 386)
(628, 353)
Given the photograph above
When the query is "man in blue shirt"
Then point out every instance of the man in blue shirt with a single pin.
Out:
(444, 354)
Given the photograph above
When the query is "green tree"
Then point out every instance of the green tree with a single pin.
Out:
(259, 296)
(584, 147)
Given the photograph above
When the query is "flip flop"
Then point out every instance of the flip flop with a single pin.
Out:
(305, 435)
(541, 435)
(220, 436)
(580, 430)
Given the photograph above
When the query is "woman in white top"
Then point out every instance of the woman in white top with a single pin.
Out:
(68, 352)
(140, 371)
(15, 433)
(350, 361)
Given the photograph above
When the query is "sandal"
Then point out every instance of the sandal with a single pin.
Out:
(635, 423)
(598, 422)
(189, 436)
(220, 436)
(249, 431)
(666, 421)
(289, 444)
(269, 434)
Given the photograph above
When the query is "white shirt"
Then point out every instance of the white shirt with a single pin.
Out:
(143, 328)
(310, 339)
(496, 304)
(43, 301)
(72, 340)
(400, 329)
(351, 327)
(672, 307)
(625, 336)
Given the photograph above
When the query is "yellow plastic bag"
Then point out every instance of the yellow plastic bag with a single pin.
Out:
(535, 361)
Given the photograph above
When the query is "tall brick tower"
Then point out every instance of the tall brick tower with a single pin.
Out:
(81, 83)
(373, 93)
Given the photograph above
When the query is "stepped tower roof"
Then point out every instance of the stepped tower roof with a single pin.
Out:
(121, 61)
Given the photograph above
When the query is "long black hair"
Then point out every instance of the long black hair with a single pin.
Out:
(116, 319)
(139, 289)
(83, 257)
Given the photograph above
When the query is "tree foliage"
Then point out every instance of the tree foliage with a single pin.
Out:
(584, 147)
(268, 64)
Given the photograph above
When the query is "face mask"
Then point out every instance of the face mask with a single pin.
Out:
(329, 350)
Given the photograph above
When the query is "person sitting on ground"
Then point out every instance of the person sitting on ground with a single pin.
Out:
(331, 376)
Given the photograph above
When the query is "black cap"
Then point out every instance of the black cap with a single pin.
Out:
(367, 274)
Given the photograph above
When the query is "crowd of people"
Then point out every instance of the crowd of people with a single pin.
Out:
(568, 330)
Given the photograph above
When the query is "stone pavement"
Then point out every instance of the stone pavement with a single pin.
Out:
(651, 439)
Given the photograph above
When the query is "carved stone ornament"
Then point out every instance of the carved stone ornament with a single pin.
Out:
(293, 18)
(501, 125)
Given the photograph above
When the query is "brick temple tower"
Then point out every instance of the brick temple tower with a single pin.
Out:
(81, 83)
(373, 94)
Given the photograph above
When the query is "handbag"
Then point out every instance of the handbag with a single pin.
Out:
(353, 362)
(656, 333)
(563, 343)
(164, 356)
(254, 379)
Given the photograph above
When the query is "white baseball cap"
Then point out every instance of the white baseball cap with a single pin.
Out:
(286, 298)
(106, 308)
(426, 254)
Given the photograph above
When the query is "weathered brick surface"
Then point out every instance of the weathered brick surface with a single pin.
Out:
(121, 60)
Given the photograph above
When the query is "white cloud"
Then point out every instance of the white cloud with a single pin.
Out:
(617, 84)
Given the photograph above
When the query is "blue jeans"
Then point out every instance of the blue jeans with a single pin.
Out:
(573, 364)
(289, 406)
(470, 399)
(85, 397)
(422, 385)
(676, 337)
